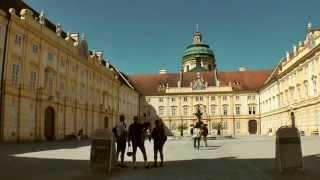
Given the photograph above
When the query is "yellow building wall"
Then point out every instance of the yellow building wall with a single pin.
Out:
(83, 93)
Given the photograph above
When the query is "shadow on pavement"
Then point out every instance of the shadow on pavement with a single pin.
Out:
(227, 168)
(8, 149)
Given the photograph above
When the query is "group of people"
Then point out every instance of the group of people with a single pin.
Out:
(198, 132)
(135, 136)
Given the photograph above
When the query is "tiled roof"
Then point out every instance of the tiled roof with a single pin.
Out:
(148, 84)
(250, 80)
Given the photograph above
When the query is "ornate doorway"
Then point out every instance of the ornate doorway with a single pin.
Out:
(49, 124)
(252, 126)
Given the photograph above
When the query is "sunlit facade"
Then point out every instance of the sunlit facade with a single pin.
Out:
(53, 85)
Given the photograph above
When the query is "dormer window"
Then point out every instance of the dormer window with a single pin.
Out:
(236, 83)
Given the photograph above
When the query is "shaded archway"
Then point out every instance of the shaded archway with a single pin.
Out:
(106, 122)
(49, 124)
(252, 127)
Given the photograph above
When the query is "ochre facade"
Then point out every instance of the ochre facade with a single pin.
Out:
(53, 85)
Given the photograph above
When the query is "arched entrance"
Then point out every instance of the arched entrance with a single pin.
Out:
(252, 126)
(106, 122)
(49, 124)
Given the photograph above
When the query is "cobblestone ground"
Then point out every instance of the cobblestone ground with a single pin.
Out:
(240, 158)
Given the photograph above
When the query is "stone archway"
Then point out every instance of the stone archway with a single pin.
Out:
(252, 127)
(106, 122)
(49, 127)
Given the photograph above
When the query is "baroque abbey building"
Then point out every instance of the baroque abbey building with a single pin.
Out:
(53, 85)
(242, 102)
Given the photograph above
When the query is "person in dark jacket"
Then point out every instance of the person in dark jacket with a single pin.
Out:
(159, 138)
(205, 133)
(137, 137)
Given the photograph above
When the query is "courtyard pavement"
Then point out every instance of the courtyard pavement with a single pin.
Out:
(239, 158)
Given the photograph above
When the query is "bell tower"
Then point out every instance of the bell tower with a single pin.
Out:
(198, 56)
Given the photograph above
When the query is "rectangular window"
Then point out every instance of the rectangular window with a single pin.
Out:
(306, 89)
(62, 88)
(161, 110)
(237, 97)
(50, 84)
(225, 110)
(213, 98)
(238, 125)
(18, 40)
(173, 99)
(15, 74)
(185, 110)
(237, 110)
(197, 98)
(62, 64)
(33, 80)
(50, 56)
(161, 99)
(224, 98)
(249, 97)
(225, 124)
(213, 109)
(35, 48)
(315, 90)
(252, 110)
(185, 99)
(173, 110)
(201, 98)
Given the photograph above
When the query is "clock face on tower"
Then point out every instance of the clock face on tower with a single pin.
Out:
(196, 39)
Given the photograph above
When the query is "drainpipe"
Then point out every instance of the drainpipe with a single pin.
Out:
(2, 78)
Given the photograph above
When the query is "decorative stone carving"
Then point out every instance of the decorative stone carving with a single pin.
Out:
(58, 29)
(12, 11)
(199, 83)
(26, 13)
(42, 18)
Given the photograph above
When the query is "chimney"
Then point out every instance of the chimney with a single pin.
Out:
(241, 69)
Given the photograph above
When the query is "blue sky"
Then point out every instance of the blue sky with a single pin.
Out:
(142, 36)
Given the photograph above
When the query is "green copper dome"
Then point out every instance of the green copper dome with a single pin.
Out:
(198, 50)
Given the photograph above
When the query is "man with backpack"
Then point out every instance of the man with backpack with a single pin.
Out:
(120, 132)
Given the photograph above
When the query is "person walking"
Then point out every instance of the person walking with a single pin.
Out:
(197, 134)
(196, 137)
(159, 138)
(120, 131)
(137, 137)
(205, 133)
